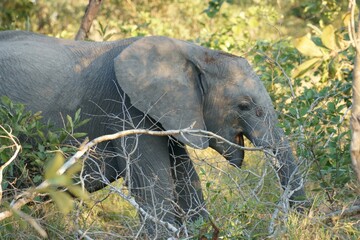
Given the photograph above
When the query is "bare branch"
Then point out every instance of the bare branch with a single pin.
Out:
(22, 200)
(29, 195)
(124, 133)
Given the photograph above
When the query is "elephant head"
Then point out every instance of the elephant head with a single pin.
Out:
(180, 84)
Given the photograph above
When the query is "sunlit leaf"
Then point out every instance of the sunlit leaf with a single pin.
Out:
(69, 121)
(305, 67)
(78, 192)
(328, 38)
(346, 19)
(61, 180)
(75, 168)
(63, 200)
(307, 47)
(107, 37)
(53, 166)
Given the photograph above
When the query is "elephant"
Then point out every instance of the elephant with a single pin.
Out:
(156, 83)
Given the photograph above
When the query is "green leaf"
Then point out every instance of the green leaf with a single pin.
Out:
(78, 192)
(331, 106)
(69, 122)
(79, 135)
(52, 137)
(107, 37)
(305, 67)
(63, 200)
(53, 166)
(83, 122)
(303, 112)
(346, 19)
(328, 38)
(77, 115)
(293, 111)
(75, 168)
(37, 179)
(41, 148)
(333, 67)
(307, 47)
(60, 181)
(41, 135)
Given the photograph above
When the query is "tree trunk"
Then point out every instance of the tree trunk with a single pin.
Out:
(355, 118)
(355, 113)
(89, 16)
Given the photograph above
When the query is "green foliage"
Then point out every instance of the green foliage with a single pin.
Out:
(40, 141)
(316, 112)
(214, 7)
(320, 11)
(327, 104)
(15, 14)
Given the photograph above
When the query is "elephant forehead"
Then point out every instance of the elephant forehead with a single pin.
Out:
(234, 91)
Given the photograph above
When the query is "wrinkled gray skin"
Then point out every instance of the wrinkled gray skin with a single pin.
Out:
(176, 83)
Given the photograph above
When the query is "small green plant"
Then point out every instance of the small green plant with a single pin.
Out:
(103, 31)
(40, 142)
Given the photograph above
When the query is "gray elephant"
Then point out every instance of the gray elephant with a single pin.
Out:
(153, 83)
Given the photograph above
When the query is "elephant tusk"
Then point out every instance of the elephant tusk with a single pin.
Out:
(239, 140)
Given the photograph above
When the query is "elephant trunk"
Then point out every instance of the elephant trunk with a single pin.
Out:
(288, 170)
(234, 155)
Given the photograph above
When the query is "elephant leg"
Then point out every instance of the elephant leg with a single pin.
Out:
(149, 179)
(188, 193)
(104, 168)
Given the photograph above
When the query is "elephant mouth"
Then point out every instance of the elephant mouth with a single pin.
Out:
(239, 140)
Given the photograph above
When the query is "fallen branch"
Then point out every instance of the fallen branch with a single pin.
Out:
(347, 212)
(17, 204)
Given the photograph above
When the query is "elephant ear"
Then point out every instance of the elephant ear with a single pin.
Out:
(162, 83)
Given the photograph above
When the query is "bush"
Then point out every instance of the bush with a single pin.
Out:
(40, 141)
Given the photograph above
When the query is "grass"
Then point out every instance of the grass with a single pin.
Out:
(241, 203)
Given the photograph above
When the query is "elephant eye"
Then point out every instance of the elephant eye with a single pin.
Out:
(244, 106)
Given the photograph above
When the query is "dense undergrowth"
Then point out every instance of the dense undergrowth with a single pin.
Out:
(301, 51)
